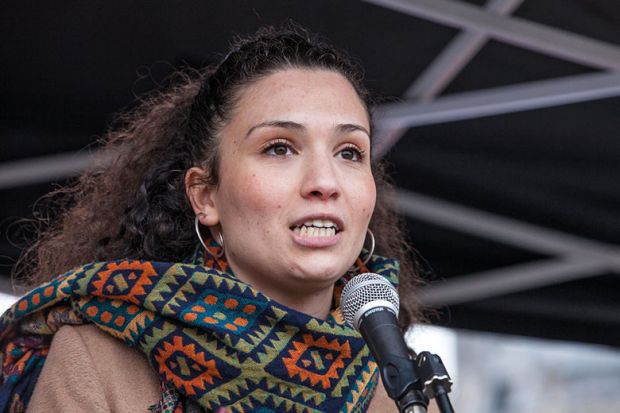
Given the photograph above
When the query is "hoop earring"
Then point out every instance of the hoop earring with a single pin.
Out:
(370, 252)
(221, 240)
(372, 246)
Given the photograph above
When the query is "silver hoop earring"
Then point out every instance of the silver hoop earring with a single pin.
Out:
(372, 246)
(370, 252)
(221, 240)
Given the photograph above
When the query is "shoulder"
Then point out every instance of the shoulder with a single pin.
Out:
(110, 356)
(102, 348)
(86, 367)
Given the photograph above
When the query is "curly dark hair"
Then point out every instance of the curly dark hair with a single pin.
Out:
(134, 203)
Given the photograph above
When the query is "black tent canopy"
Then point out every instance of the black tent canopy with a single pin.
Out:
(501, 129)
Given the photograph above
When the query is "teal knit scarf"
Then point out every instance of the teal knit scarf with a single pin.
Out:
(214, 340)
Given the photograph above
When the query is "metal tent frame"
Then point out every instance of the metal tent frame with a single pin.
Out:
(573, 257)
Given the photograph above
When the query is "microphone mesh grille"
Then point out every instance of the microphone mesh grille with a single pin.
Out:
(363, 289)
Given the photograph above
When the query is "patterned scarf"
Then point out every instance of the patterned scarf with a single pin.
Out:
(214, 340)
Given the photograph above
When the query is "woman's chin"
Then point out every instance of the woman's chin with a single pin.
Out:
(320, 273)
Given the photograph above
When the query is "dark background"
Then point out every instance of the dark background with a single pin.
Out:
(66, 68)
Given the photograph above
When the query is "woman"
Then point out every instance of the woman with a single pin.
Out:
(227, 216)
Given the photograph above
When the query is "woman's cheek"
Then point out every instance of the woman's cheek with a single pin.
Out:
(261, 191)
(368, 199)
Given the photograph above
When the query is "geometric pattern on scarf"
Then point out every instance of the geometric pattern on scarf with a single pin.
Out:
(214, 340)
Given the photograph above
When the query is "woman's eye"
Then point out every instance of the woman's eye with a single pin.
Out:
(278, 149)
(351, 154)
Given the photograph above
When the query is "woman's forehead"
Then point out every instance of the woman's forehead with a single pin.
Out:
(302, 95)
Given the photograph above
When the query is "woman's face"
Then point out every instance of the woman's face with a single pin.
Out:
(296, 191)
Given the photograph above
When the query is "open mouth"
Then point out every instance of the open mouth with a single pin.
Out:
(316, 228)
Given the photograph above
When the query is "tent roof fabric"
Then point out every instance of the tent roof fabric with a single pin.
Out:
(515, 205)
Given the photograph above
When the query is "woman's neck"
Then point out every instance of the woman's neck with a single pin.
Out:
(309, 299)
(316, 303)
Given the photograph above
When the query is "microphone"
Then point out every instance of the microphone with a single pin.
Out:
(370, 303)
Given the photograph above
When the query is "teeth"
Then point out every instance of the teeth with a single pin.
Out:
(319, 223)
(310, 231)
(316, 228)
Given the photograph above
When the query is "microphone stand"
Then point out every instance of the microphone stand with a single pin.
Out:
(436, 380)
(411, 382)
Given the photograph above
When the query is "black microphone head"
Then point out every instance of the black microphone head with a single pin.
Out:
(366, 291)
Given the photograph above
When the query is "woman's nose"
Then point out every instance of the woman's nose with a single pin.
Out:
(320, 179)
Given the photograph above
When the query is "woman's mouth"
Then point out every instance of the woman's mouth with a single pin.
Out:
(317, 232)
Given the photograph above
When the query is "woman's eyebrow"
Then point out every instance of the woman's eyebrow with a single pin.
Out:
(351, 127)
(286, 124)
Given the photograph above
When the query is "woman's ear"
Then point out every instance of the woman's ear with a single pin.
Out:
(201, 196)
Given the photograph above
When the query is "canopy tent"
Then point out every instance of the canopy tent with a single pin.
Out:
(500, 126)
